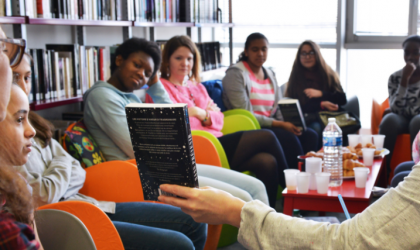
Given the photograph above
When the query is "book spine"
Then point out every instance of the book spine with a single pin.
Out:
(190, 149)
(57, 85)
(39, 9)
(35, 82)
(101, 64)
(18, 7)
(51, 86)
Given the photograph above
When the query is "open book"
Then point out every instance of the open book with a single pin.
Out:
(291, 111)
(163, 147)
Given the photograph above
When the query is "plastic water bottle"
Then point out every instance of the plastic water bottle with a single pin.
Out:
(333, 159)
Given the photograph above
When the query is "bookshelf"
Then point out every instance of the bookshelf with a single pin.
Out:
(78, 30)
(40, 105)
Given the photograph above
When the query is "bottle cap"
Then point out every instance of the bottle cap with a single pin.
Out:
(332, 119)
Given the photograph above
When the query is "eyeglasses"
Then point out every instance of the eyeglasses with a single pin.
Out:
(310, 54)
(14, 49)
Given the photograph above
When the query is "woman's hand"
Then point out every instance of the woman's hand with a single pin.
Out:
(153, 80)
(329, 106)
(207, 205)
(211, 106)
(197, 112)
(313, 93)
(407, 72)
(287, 126)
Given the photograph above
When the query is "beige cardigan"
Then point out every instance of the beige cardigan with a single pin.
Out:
(392, 222)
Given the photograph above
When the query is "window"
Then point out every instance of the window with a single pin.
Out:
(368, 72)
(382, 17)
(285, 21)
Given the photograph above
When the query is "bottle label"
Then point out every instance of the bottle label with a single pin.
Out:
(332, 141)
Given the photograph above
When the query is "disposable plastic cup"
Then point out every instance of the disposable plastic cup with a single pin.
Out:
(313, 165)
(368, 154)
(353, 140)
(366, 139)
(378, 140)
(290, 175)
(361, 175)
(322, 182)
(303, 182)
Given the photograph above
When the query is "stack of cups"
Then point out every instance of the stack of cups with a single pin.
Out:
(290, 175)
(378, 140)
(366, 139)
(353, 140)
(313, 165)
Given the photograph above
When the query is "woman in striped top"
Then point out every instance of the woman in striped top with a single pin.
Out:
(258, 151)
(248, 85)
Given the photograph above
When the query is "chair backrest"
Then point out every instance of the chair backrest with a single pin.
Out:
(216, 143)
(58, 229)
(117, 181)
(235, 123)
(376, 117)
(80, 144)
(245, 113)
(205, 151)
(100, 227)
(352, 105)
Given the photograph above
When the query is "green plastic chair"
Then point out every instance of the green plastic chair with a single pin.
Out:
(236, 122)
(216, 143)
(245, 113)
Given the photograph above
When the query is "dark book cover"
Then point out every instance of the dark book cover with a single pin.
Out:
(34, 69)
(50, 61)
(42, 74)
(74, 49)
(291, 112)
(99, 9)
(185, 11)
(163, 147)
(216, 48)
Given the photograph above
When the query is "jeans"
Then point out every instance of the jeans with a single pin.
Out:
(296, 145)
(143, 225)
(393, 125)
(240, 185)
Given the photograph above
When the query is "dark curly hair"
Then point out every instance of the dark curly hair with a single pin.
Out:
(133, 45)
(414, 38)
(249, 39)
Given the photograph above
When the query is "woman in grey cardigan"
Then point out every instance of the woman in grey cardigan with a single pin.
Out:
(248, 85)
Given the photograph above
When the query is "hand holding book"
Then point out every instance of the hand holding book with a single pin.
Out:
(287, 126)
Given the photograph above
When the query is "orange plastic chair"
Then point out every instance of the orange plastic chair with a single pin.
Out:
(402, 147)
(116, 181)
(103, 232)
(103, 179)
(205, 151)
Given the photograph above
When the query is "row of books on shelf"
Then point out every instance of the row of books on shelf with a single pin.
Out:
(209, 51)
(199, 11)
(65, 71)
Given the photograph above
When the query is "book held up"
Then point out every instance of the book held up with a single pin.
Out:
(291, 111)
(163, 147)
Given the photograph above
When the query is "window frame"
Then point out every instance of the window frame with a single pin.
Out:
(358, 41)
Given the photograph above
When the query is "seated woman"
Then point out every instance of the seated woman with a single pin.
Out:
(136, 61)
(15, 196)
(248, 85)
(56, 176)
(315, 85)
(404, 101)
(16, 208)
(257, 151)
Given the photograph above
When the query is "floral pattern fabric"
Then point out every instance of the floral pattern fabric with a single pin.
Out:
(81, 145)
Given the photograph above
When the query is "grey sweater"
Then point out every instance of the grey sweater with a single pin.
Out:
(237, 89)
(404, 101)
(392, 222)
(54, 176)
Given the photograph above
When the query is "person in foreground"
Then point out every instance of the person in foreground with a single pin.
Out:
(249, 85)
(258, 150)
(136, 64)
(54, 176)
(379, 226)
(17, 227)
